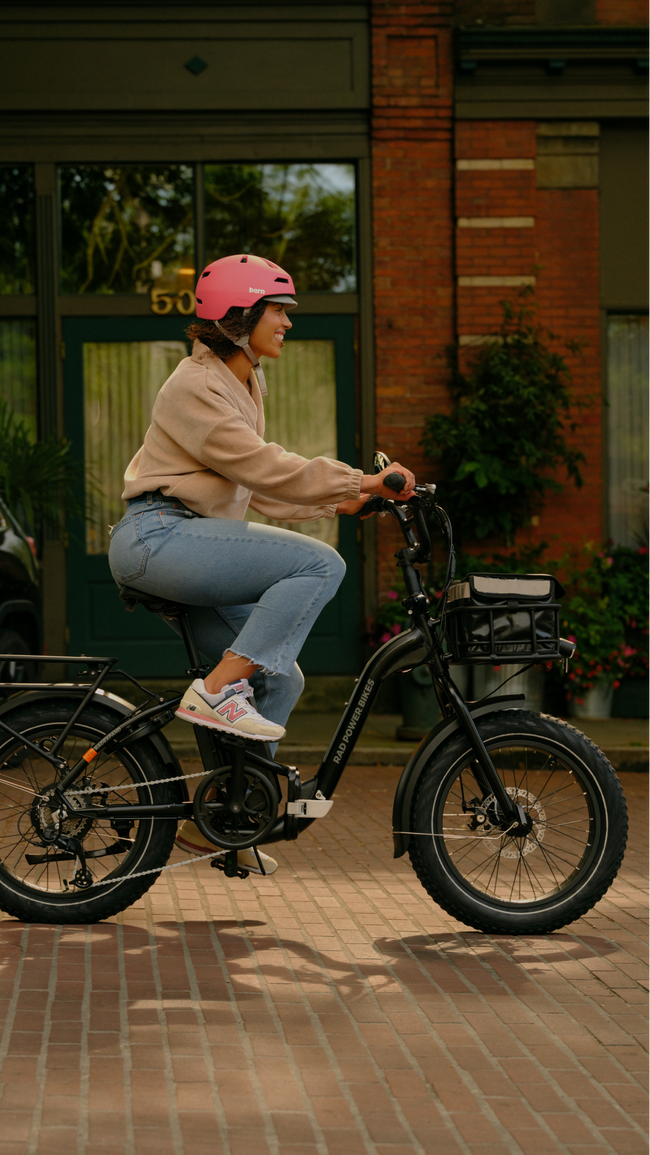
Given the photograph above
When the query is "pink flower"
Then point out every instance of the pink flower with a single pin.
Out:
(396, 628)
(628, 651)
(385, 638)
(392, 595)
(571, 638)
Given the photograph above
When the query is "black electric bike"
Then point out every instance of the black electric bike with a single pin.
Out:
(514, 822)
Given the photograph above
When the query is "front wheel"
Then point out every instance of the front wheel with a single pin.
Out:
(532, 882)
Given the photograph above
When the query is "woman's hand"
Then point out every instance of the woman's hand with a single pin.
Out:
(373, 483)
(351, 507)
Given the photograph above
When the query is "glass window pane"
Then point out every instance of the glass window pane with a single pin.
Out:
(300, 413)
(126, 228)
(627, 357)
(121, 382)
(16, 229)
(18, 369)
(300, 215)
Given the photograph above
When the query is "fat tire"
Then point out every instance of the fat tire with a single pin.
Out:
(478, 910)
(156, 837)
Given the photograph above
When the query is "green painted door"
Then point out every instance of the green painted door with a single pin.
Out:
(114, 368)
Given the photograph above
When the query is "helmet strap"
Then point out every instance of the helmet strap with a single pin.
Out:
(242, 343)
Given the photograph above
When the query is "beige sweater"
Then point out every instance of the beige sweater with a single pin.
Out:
(205, 446)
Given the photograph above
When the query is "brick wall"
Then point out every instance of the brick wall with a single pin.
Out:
(413, 230)
(622, 12)
(456, 230)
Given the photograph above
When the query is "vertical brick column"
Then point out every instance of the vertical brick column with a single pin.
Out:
(569, 304)
(412, 205)
(511, 232)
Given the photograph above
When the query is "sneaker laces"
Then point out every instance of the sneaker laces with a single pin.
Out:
(245, 691)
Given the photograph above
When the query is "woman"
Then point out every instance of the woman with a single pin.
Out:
(252, 592)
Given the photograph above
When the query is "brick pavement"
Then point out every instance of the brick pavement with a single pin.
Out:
(330, 1010)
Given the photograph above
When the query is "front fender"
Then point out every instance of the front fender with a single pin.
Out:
(421, 757)
(117, 705)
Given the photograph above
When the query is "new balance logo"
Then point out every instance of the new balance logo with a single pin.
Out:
(231, 711)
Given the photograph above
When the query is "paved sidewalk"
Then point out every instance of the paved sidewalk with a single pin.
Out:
(331, 1010)
(623, 740)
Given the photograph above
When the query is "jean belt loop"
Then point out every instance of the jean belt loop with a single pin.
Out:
(150, 499)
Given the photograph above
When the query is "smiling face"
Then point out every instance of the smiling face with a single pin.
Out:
(267, 337)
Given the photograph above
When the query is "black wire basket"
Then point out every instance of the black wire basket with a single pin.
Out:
(503, 618)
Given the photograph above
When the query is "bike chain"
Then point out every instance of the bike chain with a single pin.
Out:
(155, 869)
(136, 785)
(159, 869)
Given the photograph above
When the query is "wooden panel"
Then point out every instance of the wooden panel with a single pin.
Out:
(119, 65)
(624, 216)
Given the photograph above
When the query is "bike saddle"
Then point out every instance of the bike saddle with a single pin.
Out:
(152, 602)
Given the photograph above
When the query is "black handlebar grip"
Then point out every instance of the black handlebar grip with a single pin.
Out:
(395, 481)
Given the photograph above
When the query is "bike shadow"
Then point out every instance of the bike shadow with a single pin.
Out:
(248, 948)
(517, 960)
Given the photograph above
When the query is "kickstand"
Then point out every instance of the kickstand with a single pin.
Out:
(229, 865)
(259, 860)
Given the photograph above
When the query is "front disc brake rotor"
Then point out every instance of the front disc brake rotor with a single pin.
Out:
(514, 845)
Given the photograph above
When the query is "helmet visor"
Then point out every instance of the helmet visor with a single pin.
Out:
(282, 299)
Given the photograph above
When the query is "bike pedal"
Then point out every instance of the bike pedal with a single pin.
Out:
(230, 868)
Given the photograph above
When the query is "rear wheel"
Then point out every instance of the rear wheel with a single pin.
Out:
(40, 883)
(538, 880)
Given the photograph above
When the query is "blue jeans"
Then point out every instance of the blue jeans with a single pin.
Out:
(249, 588)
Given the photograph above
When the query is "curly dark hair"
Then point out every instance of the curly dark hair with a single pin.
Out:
(234, 321)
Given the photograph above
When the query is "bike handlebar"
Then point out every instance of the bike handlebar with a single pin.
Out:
(395, 481)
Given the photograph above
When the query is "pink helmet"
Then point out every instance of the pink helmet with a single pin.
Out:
(241, 280)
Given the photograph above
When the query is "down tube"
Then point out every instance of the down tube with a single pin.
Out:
(401, 653)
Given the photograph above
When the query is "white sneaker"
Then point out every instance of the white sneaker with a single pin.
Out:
(229, 710)
(189, 837)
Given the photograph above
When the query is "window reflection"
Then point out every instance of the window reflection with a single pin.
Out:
(126, 228)
(16, 229)
(18, 369)
(300, 215)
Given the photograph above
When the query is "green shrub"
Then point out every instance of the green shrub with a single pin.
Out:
(498, 449)
(38, 481)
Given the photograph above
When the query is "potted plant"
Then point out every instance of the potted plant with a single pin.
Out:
(605, 613)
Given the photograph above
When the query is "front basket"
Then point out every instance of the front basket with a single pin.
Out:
(504, 618)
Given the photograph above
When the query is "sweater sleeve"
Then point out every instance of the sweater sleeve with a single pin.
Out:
(234, 450)
(283, 511)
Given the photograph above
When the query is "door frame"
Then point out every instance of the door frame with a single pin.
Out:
(323, 653)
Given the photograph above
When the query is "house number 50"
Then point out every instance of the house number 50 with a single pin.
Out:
(163, 302)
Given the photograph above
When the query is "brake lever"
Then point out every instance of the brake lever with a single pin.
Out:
(374, 504)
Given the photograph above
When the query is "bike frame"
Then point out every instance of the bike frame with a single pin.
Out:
(421, 644)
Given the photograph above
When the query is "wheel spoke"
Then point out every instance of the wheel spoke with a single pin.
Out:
(527, 867)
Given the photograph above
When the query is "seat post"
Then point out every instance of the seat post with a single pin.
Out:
(188, 637)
